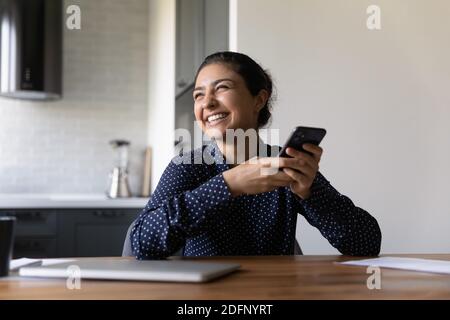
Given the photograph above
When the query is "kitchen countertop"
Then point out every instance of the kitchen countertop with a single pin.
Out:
(67, 201)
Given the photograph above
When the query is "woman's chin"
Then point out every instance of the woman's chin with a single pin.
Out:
(215, 132)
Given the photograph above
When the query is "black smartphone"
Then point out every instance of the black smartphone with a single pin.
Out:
(300, 136)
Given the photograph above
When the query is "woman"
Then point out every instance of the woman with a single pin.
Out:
(235, 208)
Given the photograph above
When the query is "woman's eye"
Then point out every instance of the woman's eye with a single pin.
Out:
(222, 87)
(198, 95)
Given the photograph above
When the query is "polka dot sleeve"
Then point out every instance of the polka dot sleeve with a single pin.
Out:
(348, 228)
(176, 211)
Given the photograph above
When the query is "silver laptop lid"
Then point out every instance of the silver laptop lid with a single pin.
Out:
(127, 269)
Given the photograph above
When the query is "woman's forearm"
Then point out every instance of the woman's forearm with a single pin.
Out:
(162, 229)
(348, 228)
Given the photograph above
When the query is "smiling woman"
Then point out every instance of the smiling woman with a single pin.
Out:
(238, 85)
(236, 208)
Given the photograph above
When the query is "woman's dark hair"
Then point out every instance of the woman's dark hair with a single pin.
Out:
(255, 77)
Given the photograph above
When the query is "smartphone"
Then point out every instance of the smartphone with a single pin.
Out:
(300, 136)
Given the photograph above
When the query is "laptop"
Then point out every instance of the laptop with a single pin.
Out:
(134, 270)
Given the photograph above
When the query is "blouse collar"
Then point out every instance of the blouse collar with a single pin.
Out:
(264, 150)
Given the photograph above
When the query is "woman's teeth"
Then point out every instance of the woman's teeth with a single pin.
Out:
(217, 117)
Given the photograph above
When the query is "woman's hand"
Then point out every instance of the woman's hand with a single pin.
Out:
(303, 169)
(257, 175)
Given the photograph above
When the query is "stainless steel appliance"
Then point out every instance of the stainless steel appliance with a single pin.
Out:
(118, 178)
(31, 37)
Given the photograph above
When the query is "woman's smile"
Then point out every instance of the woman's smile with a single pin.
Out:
(217, 118)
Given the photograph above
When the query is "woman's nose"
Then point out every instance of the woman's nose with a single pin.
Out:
(209, 101)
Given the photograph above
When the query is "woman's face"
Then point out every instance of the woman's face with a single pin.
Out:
(222, 101)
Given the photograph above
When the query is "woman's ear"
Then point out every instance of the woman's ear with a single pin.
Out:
(261, 100)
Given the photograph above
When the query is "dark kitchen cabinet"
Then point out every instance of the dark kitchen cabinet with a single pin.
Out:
(189, 41)
(70, 232)
(201, 29)
(94, 233)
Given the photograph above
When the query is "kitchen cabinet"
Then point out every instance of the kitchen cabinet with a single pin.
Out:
(189, 41)
(216, 21)
(93, 233)
(55, 233)
(202, 29)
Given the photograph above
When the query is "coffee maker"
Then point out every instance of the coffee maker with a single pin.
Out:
(118, 178)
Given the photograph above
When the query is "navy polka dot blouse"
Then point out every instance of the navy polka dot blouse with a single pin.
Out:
(192, 209)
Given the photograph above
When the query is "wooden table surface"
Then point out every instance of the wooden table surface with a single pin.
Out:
(265, 277)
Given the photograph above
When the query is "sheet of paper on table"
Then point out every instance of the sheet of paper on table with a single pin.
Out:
(414, 264)
(16, 264)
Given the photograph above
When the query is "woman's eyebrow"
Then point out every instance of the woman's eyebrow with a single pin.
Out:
(215, 82)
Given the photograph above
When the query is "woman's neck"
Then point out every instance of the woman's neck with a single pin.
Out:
(238, 152)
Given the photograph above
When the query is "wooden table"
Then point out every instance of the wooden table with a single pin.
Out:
(268, 277)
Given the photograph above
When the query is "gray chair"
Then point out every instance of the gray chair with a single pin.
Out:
(297, 249)
(127, 252)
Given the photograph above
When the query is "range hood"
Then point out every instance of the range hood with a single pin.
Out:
(31, 49)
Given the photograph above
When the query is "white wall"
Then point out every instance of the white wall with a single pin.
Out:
(382, 95)
(63, 146)
(161, 84)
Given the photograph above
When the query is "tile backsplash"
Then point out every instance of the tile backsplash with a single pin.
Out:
(63, 146)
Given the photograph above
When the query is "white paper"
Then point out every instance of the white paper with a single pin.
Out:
(22, 262)
(16, 264)
(414, 264)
